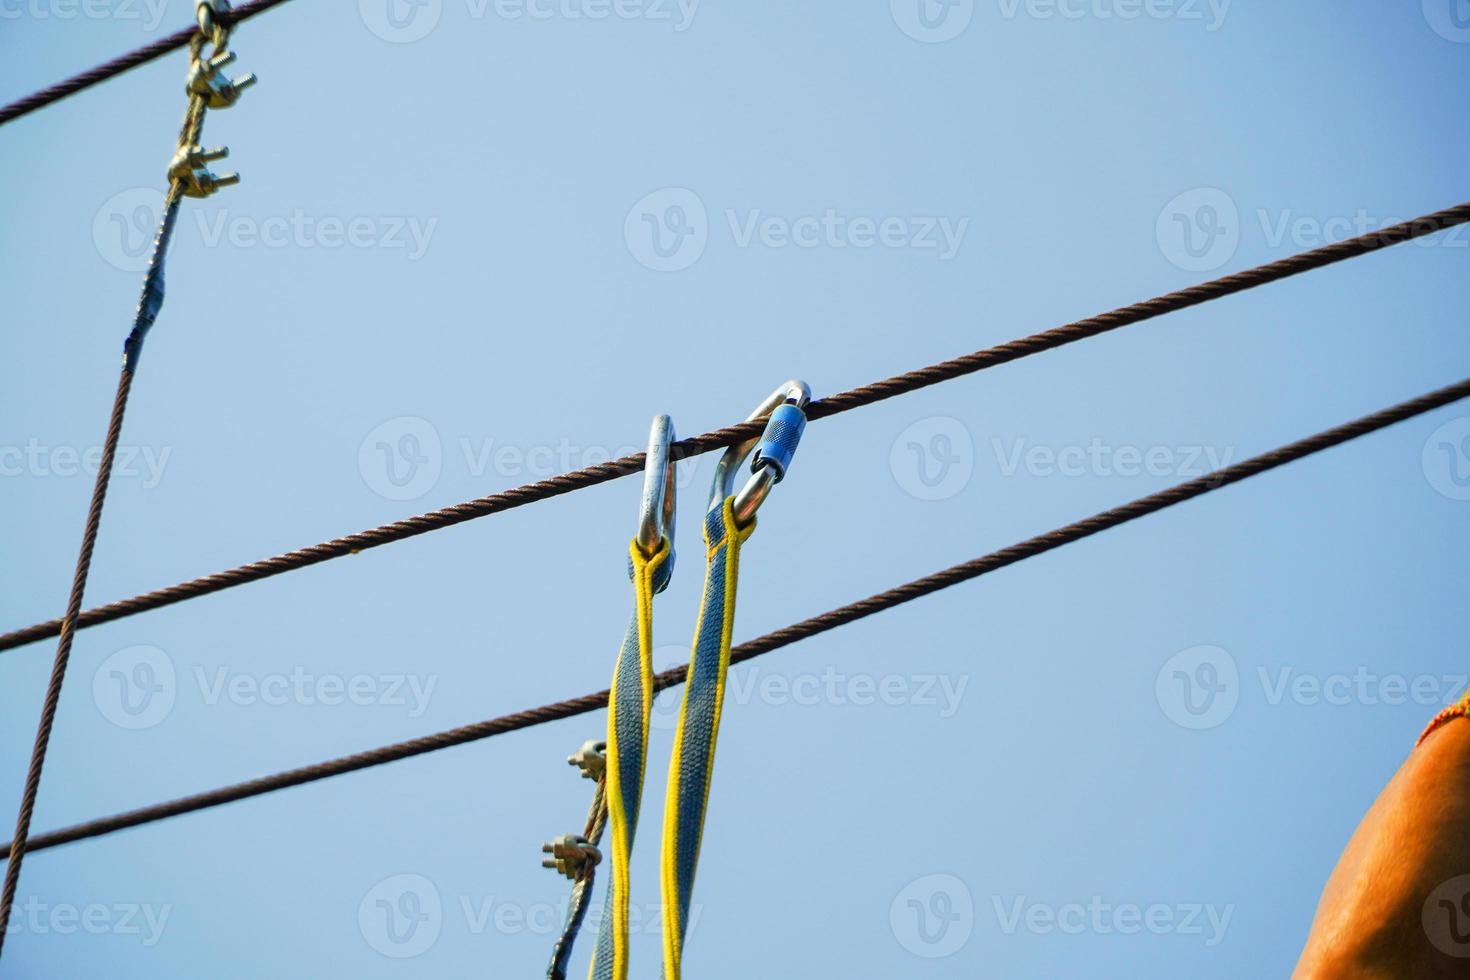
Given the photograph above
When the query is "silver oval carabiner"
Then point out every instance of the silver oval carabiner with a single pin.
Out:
(758, 487)
(656, 512)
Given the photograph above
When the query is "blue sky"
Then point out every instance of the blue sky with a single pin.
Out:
(478, 243)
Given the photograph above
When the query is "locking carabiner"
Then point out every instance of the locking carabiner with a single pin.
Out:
(657, 510)
(785, 409)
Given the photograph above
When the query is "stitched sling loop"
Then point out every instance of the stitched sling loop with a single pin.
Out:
(729, 522)
(698, 728)
(630, 698)
(629, 704)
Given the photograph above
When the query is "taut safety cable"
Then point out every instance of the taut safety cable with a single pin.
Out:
(771, 641)
(729, 436)
(188, 176)
(132, 59)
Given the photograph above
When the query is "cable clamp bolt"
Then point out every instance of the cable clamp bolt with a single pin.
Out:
(570, 854)
(591, 758)
(219, 92)
(188, 168)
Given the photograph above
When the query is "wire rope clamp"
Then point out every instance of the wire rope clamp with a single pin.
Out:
(784, 411)
(591, 758)
(570, 855)
(188, 167)
(206, 80)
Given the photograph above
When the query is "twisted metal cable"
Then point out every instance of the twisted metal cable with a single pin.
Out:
(117, 66)
(582, 885)
(771, 641)
(730, 435)
(150, 302)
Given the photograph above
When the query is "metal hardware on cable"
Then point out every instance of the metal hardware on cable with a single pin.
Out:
(785, 408)
(657, 513)
(577, 856)
(188, 171)
(728, 523)
(208, 88)
(571, 854)
(207, 80)
(187, 176)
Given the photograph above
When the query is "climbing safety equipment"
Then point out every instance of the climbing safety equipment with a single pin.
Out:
(650, 566)
(728, 522)
(617, 764)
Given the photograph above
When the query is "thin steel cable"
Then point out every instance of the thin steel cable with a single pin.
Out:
(63, 652)
(771, 641)
(123, 63)
(150, 303)
(147, 309)
(720, 438)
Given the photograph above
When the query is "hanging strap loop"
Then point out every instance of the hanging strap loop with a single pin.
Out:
(650, 566)
(728, 523)
(698, 728)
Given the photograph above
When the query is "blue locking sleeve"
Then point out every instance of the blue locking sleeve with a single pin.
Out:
(778, 443)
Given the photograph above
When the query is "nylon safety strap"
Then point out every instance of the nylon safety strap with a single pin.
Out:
(698, 727)
(629, 704)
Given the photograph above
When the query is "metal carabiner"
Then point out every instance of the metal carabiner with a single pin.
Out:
(769, 464)
(656, 513)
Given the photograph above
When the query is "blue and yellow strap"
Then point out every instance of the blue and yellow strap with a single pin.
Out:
(629, 703)
(698, 728)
